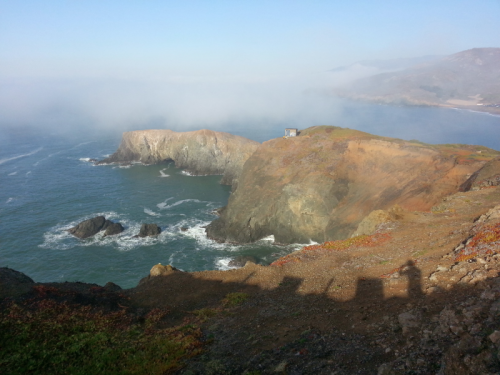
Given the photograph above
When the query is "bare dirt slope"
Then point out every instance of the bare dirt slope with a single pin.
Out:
(403, 301)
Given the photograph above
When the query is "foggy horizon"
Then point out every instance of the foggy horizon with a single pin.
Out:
(182, 66)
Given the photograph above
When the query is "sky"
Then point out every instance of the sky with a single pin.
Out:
(126, 63)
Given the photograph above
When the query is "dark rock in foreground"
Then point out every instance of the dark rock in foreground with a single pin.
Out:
(149, 230)
(13, 282)
(90, 227)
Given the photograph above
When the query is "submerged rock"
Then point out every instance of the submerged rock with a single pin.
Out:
(149, 230)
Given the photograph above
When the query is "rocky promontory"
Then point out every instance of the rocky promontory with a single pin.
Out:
(201, 152)
(320, 185)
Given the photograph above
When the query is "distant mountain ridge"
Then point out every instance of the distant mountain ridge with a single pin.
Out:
(390, 64)
(465, 79)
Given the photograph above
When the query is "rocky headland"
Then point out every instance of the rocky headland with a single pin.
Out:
(320, 185)
(201, 152)
(416, 290)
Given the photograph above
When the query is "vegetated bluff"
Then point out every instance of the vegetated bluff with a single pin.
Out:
(320, 185)
(199, 152)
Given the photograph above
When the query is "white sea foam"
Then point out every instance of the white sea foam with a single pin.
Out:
(28, 173)
(164, 206)
(268, 238)
(186, 173)
(5, 160)
(84, 159)
(223, 264)
(163, 174)
(164, 203)
(58, 238)
(13, 173)
(9, 200)
(150, 212)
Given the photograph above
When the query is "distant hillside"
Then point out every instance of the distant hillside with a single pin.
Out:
(465, 79)
(388, 65)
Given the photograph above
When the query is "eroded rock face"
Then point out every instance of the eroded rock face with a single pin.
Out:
(320, 185)
(199, 152)
(487, 176)
(90, 227)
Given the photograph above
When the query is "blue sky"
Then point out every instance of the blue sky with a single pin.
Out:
(232, 37)
(224, 42)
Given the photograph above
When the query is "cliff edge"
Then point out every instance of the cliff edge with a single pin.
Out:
(320, 185)
(199, 152)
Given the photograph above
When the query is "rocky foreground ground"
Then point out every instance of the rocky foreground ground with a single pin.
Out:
(420, 296)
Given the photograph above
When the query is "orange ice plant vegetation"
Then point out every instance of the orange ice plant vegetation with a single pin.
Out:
(485, 242)
(339, 245)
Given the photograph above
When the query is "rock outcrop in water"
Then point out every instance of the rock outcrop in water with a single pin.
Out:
(90, 227)
(148, 230)
(320, 185)
(199, 152)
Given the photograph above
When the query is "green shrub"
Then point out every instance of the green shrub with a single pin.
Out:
(47, 337)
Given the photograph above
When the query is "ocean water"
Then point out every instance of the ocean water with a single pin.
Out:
(48, 185)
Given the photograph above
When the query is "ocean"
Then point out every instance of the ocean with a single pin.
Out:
(48, 185)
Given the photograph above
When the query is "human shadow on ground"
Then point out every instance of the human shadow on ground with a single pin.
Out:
(313, 333)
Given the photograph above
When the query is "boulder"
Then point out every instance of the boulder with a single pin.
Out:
(240, 261)
(113, 229)
(88, 227)
(159, 270)
(149, 230)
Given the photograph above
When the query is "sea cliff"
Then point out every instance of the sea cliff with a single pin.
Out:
(201, 152)
(320, 185)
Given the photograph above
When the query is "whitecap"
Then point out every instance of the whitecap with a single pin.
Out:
(9, 200)
(13, 173)
(84, 159)
(186, 173)
(150, 212)
(28, 173)
(20, 156)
